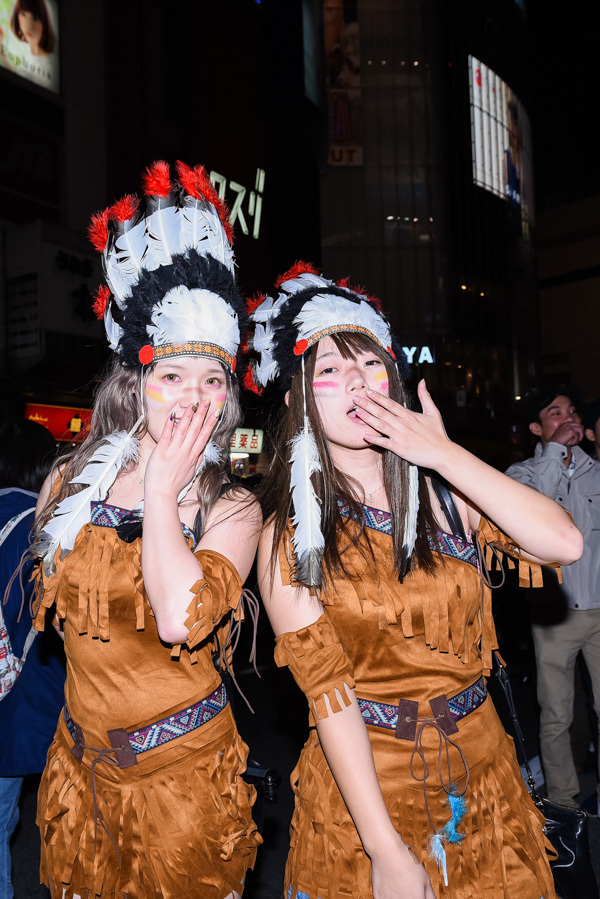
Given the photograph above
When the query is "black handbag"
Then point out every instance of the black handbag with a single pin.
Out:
(566, 827)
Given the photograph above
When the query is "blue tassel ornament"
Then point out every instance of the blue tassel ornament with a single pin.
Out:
(448, 834)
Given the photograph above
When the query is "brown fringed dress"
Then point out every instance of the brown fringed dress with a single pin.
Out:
(171, 821)
(429, 637)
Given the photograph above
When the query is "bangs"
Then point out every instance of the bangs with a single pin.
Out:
(351, 343)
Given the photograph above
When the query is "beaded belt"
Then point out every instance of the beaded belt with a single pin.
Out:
(127, 746)
(403, 717)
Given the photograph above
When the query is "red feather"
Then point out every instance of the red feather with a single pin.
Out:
(98, 230)
(157, 179)
(125, 208)
(254, 302)
(197, 183)
(100, 301)
(375, 301)
(298, 268)
(187, 179)
(249, 383)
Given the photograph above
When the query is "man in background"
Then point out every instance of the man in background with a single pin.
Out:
(560, 469)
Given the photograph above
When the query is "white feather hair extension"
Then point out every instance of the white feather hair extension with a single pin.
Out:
(412, 510)
(308, 538)
(327, 310)
(202, 230)
(197, 314)
(212, 455)
(98, 475)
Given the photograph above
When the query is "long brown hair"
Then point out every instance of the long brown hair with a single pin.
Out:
(332, 484)
(117, 407)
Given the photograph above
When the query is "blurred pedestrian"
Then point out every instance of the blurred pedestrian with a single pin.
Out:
(561, 470)
(591, 424)
(30, 708)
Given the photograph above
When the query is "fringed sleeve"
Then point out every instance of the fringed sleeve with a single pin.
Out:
(493, 540)
(215, 594)
(319, 664)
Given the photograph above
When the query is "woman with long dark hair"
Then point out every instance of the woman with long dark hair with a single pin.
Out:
(143, 792)
(374, 574)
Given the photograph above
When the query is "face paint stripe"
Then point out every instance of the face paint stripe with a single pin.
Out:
(155, 393)
(324, 384)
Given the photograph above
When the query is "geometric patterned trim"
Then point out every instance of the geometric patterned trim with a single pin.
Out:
(177, 725)
(446, 544)
(194, 348)
(333, 329)
(104, 515)
(380, 714)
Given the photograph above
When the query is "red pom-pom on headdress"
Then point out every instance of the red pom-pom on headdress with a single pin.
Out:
(98, 230)
(100, 301)
(157, 179)
(125, 208)
(298, 268)
(196, 183)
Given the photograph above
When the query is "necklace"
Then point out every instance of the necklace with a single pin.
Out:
(372, 493)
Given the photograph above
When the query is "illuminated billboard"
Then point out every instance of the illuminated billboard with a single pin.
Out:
(501, 138)
(29, 40)
(65, 423)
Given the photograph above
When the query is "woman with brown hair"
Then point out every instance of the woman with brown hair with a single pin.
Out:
(374, 575)
(143, 792)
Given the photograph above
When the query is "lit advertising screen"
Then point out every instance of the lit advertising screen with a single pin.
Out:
(501, 138)
(29, 40)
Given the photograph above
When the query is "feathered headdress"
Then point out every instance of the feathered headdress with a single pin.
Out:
(169, 269)
(308, 308)
(170, 291)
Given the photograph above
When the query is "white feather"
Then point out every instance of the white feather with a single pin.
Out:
(162, 228)
(212, 455)
(202, 229)
(114, 332)
(124, 260)
(98, 476)
(197, 314)
(412, 509)
(266, 369)
(304, 281)
(330, 311)
(308, 539)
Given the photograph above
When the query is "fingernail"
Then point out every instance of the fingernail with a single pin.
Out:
(195, 407)
(370, 391)
(217, 414)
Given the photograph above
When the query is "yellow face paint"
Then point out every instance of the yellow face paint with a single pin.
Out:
(219, 401)
(382, 380)
(156, 393)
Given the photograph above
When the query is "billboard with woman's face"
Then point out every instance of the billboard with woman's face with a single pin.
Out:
(501, 138)
(29, 40)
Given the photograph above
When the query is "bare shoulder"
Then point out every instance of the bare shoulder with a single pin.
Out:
(237, 504)
(49, 487)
